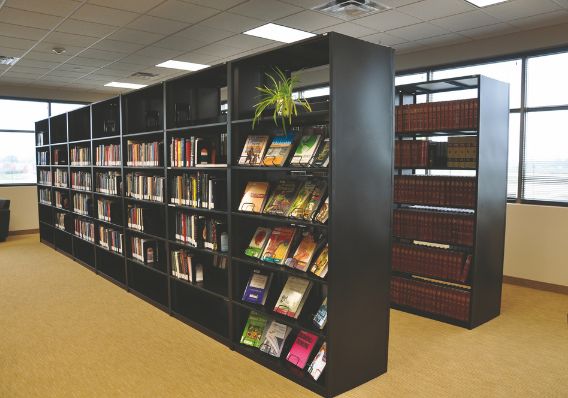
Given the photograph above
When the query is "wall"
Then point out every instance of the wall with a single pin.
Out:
(23, 207)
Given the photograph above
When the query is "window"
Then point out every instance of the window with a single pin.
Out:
(413, 78)
(514, 142)
(57, 108)
(21, 115)
(547, 80)
(17, 158)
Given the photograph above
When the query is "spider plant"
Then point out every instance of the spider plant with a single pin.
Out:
(278, 93)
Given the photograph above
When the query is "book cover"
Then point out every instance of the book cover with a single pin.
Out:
(257, 287)
(253, 151)
(293, 297)
(319, 267)
(302, 199)
(321, 158)
(254, 330)
(302, 348)
(306, 149)
(304, 253)
(279, 150)
(315, 201)
(274, 339)
(278, 245)
(323, 212)
(258, 242)
(318, 364)
(281, 198)
(254, 196)
(320, 318)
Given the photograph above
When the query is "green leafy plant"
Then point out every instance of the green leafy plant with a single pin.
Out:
(278, 93)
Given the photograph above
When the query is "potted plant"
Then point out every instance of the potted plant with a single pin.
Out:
(278, 93)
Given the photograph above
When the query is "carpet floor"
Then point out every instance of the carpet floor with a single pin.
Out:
(66, 332)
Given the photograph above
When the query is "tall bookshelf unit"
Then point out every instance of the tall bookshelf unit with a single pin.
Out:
(357, 117)
(425, 282)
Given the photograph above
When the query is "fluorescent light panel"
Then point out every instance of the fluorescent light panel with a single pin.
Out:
(485, 3)
(125, 85)
(182, 65)
(281, 33)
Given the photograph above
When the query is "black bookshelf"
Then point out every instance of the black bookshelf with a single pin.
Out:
(216, 102)
(489, 133)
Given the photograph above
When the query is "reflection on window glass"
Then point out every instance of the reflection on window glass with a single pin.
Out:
(513, 169)
(17, 158)
(407, 79)
(508, 71)
(21, 115)
(546, 156)
(57, 108)
(547, 80)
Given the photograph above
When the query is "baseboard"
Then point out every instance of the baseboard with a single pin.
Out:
(549, 287)
(24, 232)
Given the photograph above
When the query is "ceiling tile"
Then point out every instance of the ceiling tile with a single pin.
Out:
(85, 28)
(309, 21)
(76, 68)
(198, 58)
(245, 42)
(537, 21)
(102, 55)
(27, 18)
(66, 73)
(562, 3)
(11, 52)
(47, 47)
(306, 4)
(267, 10)
(18, 68)
(408, 47)
(104, 15)
(219, 50)
(349, 29)
(520, 9)
(419, 31)
(180, 43)
(489, 31)
(34, 63)
(86, 61)
(384, 39)
(52, 7)
(204, 33)
(140, 60)
(135, 36)
(431, 9)
(157, 25)
(185, 12)
(158, 54)
(47, 56)
(22, 32)
(139, 6)
(387, 20)
(468, 20)
(109, 74)
(68, 39)
(124, 66)
(31, 76)
(232, 22)
(12, 42)
(53, 78)
(217, 4)
(443, 40)
(117, 46)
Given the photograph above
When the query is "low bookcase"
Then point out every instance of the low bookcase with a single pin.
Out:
(164, 163)
(450, 199)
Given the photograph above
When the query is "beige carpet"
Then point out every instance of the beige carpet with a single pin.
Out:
(65, 332)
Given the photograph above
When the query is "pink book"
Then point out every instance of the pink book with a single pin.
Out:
(302, 348)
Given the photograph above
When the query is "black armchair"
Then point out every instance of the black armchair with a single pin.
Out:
(4, 218)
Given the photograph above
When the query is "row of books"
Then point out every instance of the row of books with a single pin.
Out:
(44, 177)
(187, 266)
(289, 198)
(435, 191)
(431, 262)
(429, 297)
(42, 158)
(110, 239)
(270, 337)
(82, 204)
(462, 152)
(85, 230)
(59, 156)
(108, 182)
(64, 221)
(201, 231)
(62, 200)
(137, 215)
(199, 151)
(80, 156)
(441, 227)
(291, 247)
(109, 210)
(107, 155)
(310, 151)
(61, 178)
(81, 180)
(144, 250)
(145, 187)
(199, 190)
(45, 196)
(457, 152)
(437, 116)
(143, 154)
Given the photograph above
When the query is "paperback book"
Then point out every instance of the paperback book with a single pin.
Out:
(253, 151)
(293, 296)
(274, 338)
(318, 364)
(281, 198)
(320, 318)
(323, 212)
(257, 287)
(321, 158)
(258, 242)
(254, 330)
(320, 266)
(306, 149)
(302, 348)
(315, 201)
(278, 245)
(302, 199)
(304, 253)
(254, 197)
(279, 150)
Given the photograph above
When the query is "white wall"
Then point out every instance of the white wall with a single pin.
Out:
(23, 207)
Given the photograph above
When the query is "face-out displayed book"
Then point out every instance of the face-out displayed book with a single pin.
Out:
(320, 266)
(274, 338)
(318, 364)
(257, 287)
(258, 242)
(293, 297)
(306, 150)
(302, 348)
(316, 198)
(323, 213)
(304, 252)
(321, 158)
(281, 199)
(278, 245)
(279, 150)
(320, 318)
(302, 198)
(254, 330)
(254, 196)
(253, 151)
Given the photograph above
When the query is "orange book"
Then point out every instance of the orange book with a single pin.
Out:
(254, 197)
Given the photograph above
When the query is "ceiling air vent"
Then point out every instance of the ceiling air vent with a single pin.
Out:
(144, 75)
(350, 9)
(4, 60)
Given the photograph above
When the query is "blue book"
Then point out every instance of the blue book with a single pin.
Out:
(257, 287)
(320, 319)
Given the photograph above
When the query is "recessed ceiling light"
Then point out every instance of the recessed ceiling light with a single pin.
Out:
(485, 3)
(281, 33)
(182, 65)
(58, 50)
(125, 85)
